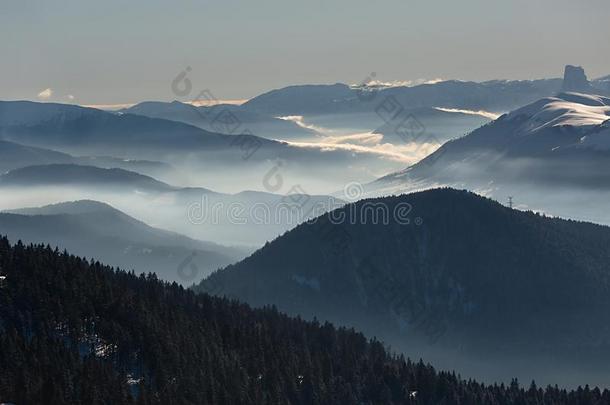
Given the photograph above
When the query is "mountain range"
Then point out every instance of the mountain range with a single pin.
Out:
(17, 156)
(555, 144)
(495, 95)
(82, 130)
(222, 118)
(451, 276)
(80, 175)
(196, 157)
(248, 218)
(551, 129)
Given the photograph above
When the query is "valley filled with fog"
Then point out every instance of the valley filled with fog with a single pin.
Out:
(232, 200)
(304, 203)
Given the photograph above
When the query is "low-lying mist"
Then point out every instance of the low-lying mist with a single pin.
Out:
(246, 219)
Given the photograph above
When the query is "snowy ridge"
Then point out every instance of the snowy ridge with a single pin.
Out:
(572, 125)
(567, 109)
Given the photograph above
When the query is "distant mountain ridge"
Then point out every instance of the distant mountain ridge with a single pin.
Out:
(214, 119)
(99, 231)
(14, 155)
(80, 130)
(246, 218)
(68, 207)
(339, 98)
(72, 174)
(185, 148)
(48, 125)
(493, 95)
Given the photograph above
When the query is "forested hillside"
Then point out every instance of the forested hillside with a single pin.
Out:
(74, 332)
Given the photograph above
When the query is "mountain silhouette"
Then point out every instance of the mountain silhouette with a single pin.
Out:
(97, 230)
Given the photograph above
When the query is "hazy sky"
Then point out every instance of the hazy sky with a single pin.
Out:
(111, 51)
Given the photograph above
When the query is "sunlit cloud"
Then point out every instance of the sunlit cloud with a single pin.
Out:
(298, 119)
(362, 142)
(408, 153)
(365, 138)
(486, 114)
(70, 97)
(45, 94)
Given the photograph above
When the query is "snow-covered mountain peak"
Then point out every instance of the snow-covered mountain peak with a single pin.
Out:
(566, 109)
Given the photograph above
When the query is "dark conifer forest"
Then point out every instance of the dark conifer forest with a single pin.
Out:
(78, 332)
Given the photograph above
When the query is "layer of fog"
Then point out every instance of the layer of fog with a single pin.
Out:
(245, 220)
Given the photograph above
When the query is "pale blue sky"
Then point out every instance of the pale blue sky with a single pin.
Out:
(116, 51)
